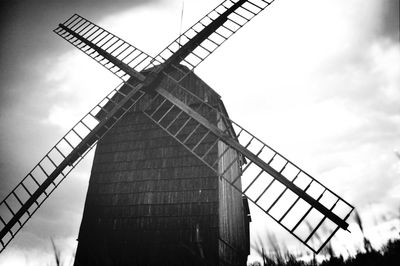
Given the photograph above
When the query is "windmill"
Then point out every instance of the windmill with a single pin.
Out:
(160, 89)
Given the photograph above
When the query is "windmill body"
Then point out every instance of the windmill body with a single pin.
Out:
(151, 202)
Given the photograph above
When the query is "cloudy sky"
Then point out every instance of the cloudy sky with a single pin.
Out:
(318, 80)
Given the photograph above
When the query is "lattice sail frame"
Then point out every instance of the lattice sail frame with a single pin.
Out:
(125, 61)
(236, 14)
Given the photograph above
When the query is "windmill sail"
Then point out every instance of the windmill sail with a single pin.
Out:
(189, 49)
(118, 56)
(292, 197)
(210, 32)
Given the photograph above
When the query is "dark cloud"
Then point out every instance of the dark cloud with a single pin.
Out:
(26, 33)
(390, 19)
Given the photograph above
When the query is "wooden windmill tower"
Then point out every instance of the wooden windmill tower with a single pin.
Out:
(172, 173)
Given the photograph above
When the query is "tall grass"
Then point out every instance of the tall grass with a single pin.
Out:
(57, 256)
(388, 255)
(56, 252)
(367, 244)
(275, 254)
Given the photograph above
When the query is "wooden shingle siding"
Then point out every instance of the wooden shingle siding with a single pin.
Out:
(140, 186)
(165, 210)
(150, 174)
